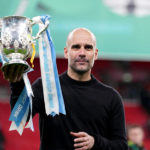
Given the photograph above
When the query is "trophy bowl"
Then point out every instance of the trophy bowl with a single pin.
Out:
(16, 39)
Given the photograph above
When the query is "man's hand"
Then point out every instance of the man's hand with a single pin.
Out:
(13, 73)
(82, 141)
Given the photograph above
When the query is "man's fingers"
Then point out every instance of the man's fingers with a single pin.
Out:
(81, 139)
(73, 134)
(20, 71)
(13, 73)
(6, 72)
(79, 145)
(78, 134)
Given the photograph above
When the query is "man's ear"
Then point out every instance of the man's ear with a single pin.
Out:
(96, 54)
(65, 52)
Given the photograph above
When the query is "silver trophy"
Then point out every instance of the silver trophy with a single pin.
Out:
(16, 39)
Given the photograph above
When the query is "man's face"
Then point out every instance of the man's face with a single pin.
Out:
(81, 52)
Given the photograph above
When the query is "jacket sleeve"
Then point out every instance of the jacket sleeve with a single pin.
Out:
(16, 89)
(117, 139)
(37, 99)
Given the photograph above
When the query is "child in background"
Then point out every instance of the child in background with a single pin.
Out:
(135, 136)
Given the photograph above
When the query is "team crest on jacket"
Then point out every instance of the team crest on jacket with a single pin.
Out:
(138, 8)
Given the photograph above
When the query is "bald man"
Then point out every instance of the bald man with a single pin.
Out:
(94, 117)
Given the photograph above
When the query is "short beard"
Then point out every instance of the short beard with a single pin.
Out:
(78, 71)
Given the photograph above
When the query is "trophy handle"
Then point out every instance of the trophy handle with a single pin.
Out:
(42, 26)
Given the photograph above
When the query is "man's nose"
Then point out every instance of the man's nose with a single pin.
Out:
(82, 51)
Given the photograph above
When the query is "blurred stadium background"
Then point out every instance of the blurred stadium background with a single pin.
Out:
(122, 28)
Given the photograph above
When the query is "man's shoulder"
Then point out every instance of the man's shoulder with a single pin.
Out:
(106, 87)
(37, 82)
(109, 90)
(62, 75)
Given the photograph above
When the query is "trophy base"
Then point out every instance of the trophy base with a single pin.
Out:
(20, 62)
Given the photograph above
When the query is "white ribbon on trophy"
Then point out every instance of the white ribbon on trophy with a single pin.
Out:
(52, 91)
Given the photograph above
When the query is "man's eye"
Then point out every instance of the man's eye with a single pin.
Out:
(88, 47)
(75, 47)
